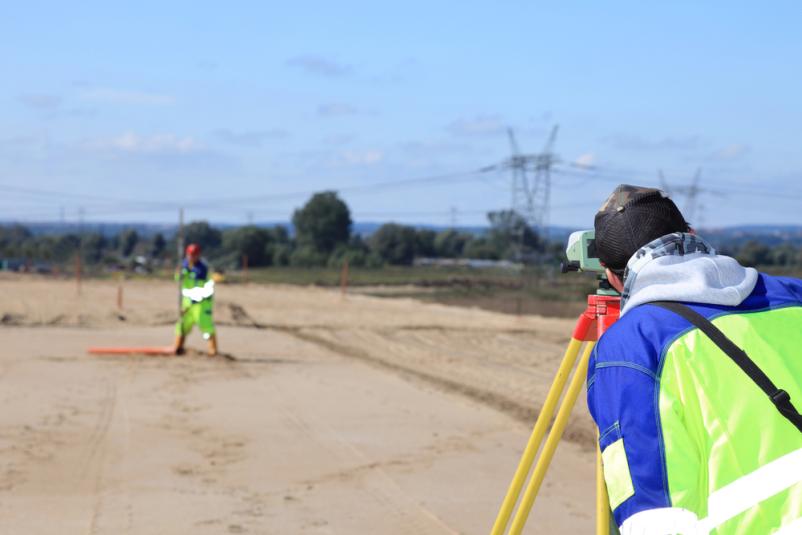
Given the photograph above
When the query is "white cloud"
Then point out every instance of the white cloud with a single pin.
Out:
(362, 157)
(638, 143)
(23, 140)
(436, 148)
(207, 65)
(320, 66)
(336, 109)
(481, 125)
(731, 152)
(251, 138)
(124, 96)
(40, 101)
(339, 139)
(133, 143)
(585, 160)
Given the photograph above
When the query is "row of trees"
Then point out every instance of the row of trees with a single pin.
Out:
(20, 243)
(323, 236)
(755, 253)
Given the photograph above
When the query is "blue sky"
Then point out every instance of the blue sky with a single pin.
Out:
(237, 110)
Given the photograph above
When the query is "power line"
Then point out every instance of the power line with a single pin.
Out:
(376, 186)
(141, 206)
(728, 190)
(24, 199)
(690, 192)
(61, 195)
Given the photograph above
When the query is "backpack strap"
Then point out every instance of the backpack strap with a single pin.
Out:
(779, 397)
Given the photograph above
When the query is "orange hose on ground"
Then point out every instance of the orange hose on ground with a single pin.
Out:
(153, 351)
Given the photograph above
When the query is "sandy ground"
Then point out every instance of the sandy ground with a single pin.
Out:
(340, 415)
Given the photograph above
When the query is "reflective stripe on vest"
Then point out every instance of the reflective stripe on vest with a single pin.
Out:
(662, 521)
(748, 491)
(794, 528)
(726, 503)
(199, 293)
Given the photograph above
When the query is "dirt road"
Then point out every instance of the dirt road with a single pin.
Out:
(356, 415)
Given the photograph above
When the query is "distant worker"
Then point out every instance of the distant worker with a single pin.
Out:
(197, 300)
(691, 388)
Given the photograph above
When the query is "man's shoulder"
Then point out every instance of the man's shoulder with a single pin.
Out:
(201, 268)
(644, 333)
(639, 337)
(777, 291)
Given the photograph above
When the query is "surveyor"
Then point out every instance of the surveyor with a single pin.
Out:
(694, 438)
(197, 300)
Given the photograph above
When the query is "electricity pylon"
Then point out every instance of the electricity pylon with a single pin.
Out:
(690, 193)
(531, 182)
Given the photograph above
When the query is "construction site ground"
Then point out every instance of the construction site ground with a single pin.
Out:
(335, 414)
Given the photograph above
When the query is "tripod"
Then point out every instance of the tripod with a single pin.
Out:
(601, 312)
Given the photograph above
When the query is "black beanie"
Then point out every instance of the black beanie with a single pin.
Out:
(630, 218)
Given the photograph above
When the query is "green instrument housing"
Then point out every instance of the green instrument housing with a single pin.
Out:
(581, 254)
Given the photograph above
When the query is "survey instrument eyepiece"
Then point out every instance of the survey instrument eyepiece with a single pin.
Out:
(581, 253)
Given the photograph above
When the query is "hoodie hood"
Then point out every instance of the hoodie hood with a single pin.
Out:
(684, 267)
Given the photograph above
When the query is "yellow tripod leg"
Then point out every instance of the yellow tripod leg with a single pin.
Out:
(602, 501)
(535, 439)
(577, 382)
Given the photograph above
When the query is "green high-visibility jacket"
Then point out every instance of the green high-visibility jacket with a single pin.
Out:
(196, 286)
(690, 444)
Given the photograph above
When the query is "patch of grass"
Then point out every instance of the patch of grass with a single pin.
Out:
(390, 275)
(534, 290)
(529, 291)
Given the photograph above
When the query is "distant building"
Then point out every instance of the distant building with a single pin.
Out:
(473, 263)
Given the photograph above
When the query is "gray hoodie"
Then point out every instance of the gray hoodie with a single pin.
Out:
(684, 267)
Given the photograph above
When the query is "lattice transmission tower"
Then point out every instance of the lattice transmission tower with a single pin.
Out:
(531, 181)
(691, 193)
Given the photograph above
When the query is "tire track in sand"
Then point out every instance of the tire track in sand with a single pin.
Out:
(93, 464)
(579, 434)
(384, 491)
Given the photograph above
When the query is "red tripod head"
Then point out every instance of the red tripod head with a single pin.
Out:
(602, 311)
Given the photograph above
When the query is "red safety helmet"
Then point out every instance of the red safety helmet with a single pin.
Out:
(193, 249)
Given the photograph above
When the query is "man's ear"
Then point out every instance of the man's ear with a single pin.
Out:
(614, 280)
